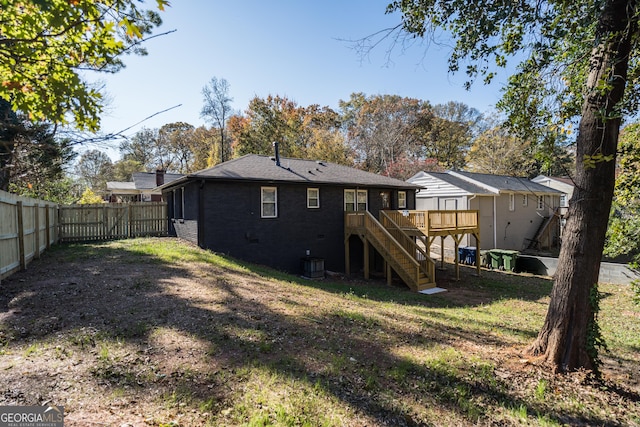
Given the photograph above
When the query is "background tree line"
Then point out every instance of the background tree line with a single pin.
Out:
(385, 134)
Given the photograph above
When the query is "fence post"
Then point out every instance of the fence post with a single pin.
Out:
(23, 261)
(36, 220)
(59, 225)
(105, 222)
(130, 219)
(47, 224)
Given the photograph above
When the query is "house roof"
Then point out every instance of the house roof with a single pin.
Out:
(563, 180)
(253, 167)
(502, 183)
(147, 180)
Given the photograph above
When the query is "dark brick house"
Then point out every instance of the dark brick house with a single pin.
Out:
(274, 211)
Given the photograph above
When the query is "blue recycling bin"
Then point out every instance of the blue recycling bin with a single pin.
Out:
(471, 255)
(462, 254)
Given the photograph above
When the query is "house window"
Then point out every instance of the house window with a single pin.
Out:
(525, 200)
(540, 205)
(563, 201)
(313, 198)
(402, 199)
(355, 200)
(512, 202)
(269, 202)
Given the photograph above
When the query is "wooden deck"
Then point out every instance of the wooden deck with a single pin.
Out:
(404, 229)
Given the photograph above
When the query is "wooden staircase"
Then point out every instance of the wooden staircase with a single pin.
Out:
(536, 242)
(399, 250)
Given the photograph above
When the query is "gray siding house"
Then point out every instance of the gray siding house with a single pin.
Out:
(514, 213)
(274, 211)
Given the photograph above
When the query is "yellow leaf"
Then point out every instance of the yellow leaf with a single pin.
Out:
(162, 4)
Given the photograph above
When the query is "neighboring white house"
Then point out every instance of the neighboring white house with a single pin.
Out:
(514, 213)
(142, 189)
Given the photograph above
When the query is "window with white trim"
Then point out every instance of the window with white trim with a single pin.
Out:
(540, 205)
(512, 202)
(563, 201)
(525, 200)
(402, 199)
(355, 200)
(268, 202)
(313, 198)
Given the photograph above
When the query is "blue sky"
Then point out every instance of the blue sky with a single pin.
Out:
(289, 48)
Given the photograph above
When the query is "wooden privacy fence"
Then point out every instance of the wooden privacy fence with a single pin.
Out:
(107, 221)
(30, 226)
(27, 227)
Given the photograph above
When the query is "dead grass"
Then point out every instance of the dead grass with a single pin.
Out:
(157, 332)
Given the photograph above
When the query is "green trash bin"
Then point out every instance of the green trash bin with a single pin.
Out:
(509, 259)
(495, 255)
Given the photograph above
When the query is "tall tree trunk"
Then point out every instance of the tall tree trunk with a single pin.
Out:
(563, 339)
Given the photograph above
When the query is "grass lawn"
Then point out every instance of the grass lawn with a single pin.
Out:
(156, 332)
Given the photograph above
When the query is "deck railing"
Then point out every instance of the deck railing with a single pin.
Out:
(430, 222)
(427, 265)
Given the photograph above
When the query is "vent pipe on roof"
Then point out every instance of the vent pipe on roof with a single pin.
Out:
(276, 148)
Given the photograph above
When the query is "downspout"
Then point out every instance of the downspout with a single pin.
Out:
(495, 223)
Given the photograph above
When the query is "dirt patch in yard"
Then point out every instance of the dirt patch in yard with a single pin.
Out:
(120, 336)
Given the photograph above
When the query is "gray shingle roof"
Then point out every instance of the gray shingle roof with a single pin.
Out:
(253, 167)
(506, 183)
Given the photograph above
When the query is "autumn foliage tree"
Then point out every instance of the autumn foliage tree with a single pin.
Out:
(405, 168)
(302, 132)
(383, 129)
(499, 152)
(449, 136)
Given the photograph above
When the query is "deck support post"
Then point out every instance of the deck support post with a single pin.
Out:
(366, 259)
(477, 236)
(456, 257)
